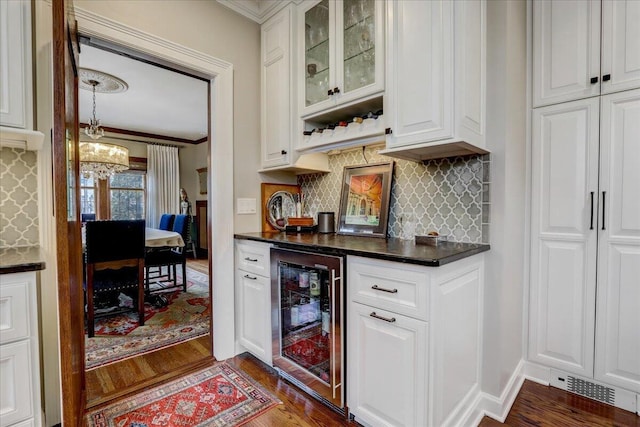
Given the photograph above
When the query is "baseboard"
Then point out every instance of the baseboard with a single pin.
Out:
(496, 407)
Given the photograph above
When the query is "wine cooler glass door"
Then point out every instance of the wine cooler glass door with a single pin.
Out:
(308, 340)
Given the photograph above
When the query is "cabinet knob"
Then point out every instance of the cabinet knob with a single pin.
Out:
(329, 92)
(594, 80)
(388, 131)
(606, 77)
(283, 152)
(336, 90)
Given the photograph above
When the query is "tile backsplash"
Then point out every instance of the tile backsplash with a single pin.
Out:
(18, 197)
(450, 196)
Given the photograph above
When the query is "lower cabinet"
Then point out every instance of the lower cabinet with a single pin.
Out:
(414, 341)
(19, 351)
(253, 298)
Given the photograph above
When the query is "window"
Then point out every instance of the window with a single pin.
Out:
(127, 195)
(87, 195)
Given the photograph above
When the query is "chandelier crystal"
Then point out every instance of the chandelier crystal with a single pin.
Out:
(102, 160)
(94, 131)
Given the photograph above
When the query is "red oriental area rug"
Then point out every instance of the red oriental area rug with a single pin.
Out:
(218, 396)
(187, 316)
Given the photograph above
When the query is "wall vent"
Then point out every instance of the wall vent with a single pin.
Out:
(589, 388)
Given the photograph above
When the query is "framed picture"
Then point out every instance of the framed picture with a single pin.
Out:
(202, 179)
(364, 202)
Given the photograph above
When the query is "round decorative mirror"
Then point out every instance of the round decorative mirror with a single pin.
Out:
(280, 206)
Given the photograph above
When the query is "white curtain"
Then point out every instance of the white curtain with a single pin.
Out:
(163, 181)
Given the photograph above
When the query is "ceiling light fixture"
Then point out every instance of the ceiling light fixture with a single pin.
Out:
(97, 81)
(102, 160)
(94, 131)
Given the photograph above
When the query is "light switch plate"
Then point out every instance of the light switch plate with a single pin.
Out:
(245, 206)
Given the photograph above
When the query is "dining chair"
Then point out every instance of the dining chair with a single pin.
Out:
(166, 221)
(169, 258)
(114, 259)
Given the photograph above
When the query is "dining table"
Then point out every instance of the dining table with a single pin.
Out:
(155, 238)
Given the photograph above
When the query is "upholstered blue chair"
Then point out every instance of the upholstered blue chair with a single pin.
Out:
(114, 257)
(166, 221)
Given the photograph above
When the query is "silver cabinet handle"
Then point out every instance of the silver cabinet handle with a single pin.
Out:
(386, 319)
(251, 259)
(246, 276)
(391, 291)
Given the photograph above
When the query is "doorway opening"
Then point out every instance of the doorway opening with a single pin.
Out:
(177, 322)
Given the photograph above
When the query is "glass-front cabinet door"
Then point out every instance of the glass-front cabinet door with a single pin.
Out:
(343, 56)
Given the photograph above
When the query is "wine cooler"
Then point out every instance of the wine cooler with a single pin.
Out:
(307, 299)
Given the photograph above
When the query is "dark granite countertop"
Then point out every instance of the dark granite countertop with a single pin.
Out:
(21, 259)
(391, 249)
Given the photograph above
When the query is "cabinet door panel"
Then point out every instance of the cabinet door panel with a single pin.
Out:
(255, 310)
(276, 115)
(419, 73)
(564, 174)
(16, 392)
(620, 44)
(566, 50)
(618, 317)
(387, 376)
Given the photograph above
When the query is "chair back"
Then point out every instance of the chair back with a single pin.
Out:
(166, 222)
(181, 225)
(114, 240)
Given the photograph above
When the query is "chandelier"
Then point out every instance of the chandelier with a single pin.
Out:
(94, 131)
(98, 81)
(102, 160)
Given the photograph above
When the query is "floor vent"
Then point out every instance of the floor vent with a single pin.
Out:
(591, 390)
(588, 388)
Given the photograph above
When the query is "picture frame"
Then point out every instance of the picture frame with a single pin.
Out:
(364, 199)
(202, 179)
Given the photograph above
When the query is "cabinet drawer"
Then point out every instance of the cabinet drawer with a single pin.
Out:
(16, 394)
(253, 257)
(14, 311)
(392, 286)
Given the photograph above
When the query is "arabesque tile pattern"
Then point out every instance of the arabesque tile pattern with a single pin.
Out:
(444, 195)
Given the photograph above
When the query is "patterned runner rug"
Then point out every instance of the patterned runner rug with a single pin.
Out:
(218, 396)
(120, 337)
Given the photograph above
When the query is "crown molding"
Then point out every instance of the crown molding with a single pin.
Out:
(256, 10)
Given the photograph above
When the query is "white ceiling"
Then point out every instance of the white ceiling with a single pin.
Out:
(158, 101)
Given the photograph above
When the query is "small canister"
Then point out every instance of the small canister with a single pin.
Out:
(326, 222)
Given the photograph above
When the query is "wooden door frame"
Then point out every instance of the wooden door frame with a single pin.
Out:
(220, 164)
(66, 194)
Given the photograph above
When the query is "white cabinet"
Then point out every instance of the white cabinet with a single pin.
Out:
(414, 341)
(15, 75)
(253, 298)
(586, 223)
(584, 48)
(341, 53)
(278, 123)
(16, 85)
(436, 73)
(19, 351)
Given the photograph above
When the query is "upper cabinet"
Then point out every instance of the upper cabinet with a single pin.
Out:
(436, 74)
(341, 61)
(16, 84)
(278, 125)
(584, 48)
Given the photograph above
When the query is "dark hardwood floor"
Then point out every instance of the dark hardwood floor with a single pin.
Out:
(543, 406)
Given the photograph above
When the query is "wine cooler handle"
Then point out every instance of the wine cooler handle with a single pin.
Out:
(386, 319)
(332, 313)
(391, 291)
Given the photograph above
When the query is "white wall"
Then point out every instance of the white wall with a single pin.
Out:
(506, 139)
(211, 28)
